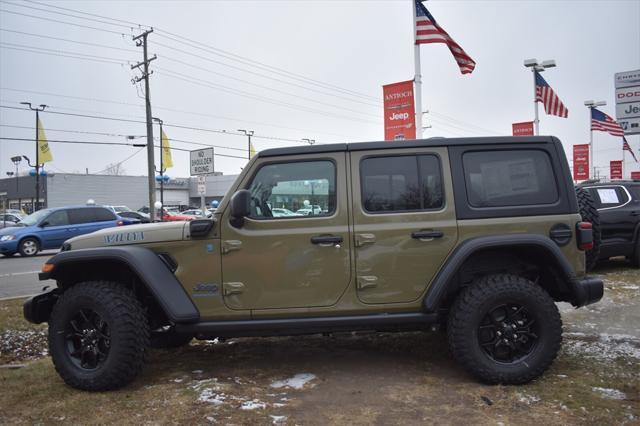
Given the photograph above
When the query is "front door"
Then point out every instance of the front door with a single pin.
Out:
(55, 229)
(289, 253)
(404, 221)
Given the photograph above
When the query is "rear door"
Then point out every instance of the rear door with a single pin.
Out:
(614, 206)
(404, 221)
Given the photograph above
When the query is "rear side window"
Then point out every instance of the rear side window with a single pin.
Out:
(77, 216)
(509, 178)
(103, 215)
(607, 197)
(401, 183)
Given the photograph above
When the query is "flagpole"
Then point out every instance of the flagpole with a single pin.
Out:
(536, 120)
(417, 77)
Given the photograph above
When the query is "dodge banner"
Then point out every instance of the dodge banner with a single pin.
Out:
(581, 162)
(399, 112)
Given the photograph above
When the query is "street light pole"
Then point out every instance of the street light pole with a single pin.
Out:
(16, 160)
(37, 110)
(591, 105)
(157, 120)
(537, 67)
(248, 133)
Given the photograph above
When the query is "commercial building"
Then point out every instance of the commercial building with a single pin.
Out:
(64, 189)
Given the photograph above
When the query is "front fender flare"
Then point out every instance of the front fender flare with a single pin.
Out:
(149, 268)
(437, 290)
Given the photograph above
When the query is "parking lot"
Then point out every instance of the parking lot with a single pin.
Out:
(19, 275)
(344, 379)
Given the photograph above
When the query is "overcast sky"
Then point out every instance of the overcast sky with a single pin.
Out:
(332, 58)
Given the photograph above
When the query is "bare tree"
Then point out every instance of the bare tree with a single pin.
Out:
(114, 169)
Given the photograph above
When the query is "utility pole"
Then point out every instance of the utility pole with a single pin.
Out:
(141, 40)
(37, 165)
(157, 120)
(248, 133)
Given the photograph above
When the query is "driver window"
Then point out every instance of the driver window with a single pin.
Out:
(294, 189)
(58, 218)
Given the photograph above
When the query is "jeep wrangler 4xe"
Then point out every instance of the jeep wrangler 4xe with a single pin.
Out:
(481, 236)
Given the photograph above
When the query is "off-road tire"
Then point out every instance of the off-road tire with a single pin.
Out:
(169, 339)
(589, 213)
(471, 306)
(128, 330)
(25, 247)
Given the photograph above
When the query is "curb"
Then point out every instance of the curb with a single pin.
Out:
(4, 299)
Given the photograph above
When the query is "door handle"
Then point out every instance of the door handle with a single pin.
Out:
(420, 235)
(635, 213)
(326, 240)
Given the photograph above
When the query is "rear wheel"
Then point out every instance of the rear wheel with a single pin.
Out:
(98, 336)
(29, 247)
(504, 329)
(589, 213)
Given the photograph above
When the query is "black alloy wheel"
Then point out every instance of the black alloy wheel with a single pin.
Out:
(87, 339)
(508, 333)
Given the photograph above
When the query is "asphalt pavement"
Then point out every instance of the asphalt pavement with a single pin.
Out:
(19, 275)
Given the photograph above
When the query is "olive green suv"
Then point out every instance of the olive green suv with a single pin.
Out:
(481, 236)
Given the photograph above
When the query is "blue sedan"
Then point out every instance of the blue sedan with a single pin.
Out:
(49, 228)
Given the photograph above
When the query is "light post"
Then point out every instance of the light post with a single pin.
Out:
(37, 165)
(537, 67)
(157, 120)
(591, 105)
(248, 133)
(16, 161)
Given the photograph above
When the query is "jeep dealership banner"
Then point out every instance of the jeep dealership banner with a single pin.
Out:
(399, 111)
(522, 129)
(581, 162)
(615, 169)
(635, 175)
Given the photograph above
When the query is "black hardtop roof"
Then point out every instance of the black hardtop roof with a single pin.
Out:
(419, 143)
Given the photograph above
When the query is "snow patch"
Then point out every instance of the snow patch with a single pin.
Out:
(296, 382)
(610, 393)
(527, 399)
(253, 405)
(278, 419)
(209, 396)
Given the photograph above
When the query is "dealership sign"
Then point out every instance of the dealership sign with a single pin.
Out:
(615, 169)
(201, 161)
(522, 129)
(399, 111)
(627, 85)
(581, 162)
(635, 175)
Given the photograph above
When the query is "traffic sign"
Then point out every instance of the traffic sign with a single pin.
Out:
(201, 161)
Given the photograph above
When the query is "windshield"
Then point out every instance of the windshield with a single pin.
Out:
(120, 209)
(36, 217)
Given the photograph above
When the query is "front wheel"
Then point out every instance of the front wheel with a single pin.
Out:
(504, 329)
(98, 336)
(29, 247)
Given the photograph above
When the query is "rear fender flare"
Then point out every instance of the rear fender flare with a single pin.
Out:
(436, 292)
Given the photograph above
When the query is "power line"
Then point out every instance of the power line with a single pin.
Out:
(256, 64)
(73, 131)
(63, 55)
(85, 13)
(262, 75)
(264, 87)
(62, 22)
(120, 162)
(67, 52)
(48, 37)
(65, 14)
(211, 85)
(172, 110)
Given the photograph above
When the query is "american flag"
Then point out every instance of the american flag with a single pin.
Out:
(428, 31)
(601, 121)
(627, 147)
(545, 94)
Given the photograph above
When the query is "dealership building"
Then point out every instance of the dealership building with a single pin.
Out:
(65, 189)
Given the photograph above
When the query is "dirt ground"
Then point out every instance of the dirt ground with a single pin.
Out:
(405, 378)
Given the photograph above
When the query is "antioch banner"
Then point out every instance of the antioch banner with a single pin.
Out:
(399, 112)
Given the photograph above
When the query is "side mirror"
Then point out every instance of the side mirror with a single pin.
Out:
(240, 207)
(43, 224)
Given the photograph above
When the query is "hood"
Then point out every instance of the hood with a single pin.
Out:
(131, 234)
(12, 230)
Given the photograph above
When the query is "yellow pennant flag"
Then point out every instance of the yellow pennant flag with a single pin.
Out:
(44, 153)
(252, 150)
(167, 162)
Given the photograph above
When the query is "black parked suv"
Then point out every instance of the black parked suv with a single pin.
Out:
(618, 203)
